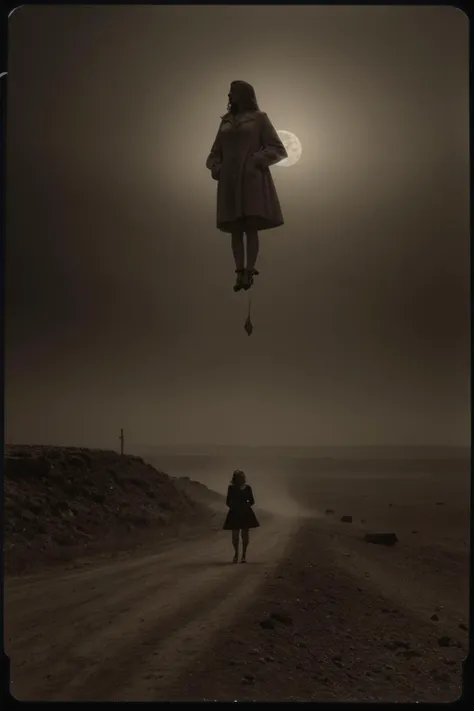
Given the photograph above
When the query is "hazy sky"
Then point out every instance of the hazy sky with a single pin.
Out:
(120, 310)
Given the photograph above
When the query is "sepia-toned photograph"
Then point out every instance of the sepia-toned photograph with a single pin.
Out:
(237, 353)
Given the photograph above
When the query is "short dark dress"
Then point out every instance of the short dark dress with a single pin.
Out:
(240, 502)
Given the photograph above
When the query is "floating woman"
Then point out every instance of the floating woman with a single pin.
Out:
(245, 147)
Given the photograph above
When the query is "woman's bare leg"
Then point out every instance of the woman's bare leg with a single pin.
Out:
(238, 249)
(245, 543)
(235, 543)
(252, 248)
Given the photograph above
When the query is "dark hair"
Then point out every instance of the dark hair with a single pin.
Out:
(248, 100)
(238, 474)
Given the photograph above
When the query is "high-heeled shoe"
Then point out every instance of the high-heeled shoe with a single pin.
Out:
(248, 278)
(240, 280)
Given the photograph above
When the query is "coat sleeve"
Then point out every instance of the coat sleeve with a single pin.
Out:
(251, 499)
(229, 497)
(272, 150)
(214, 158)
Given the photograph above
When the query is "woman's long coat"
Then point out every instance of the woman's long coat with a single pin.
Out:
(244, 149)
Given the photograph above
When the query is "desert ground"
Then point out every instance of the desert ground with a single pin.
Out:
(119, 583)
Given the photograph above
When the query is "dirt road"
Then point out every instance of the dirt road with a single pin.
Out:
(126, 629)
(363, 624)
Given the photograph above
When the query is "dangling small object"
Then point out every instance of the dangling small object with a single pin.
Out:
(248, 324)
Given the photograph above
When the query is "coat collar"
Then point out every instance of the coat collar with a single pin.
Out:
(247, 116)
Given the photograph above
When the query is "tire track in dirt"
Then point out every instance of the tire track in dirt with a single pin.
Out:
(71, 598)
(126, 644)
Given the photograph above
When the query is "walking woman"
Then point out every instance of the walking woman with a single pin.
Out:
(245, 147)
(240, 517)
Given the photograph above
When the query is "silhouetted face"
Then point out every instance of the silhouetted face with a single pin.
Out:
(235, 94)
(239, 479)
(241, 97)
(233, 99)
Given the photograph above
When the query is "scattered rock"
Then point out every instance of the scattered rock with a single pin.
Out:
(323, 679)
(269, 658)
(346, 519)
(281, 617)
(28, 515)
(397, 644)
(248, 679)
(384, 539)
(36, 506)
(435, 618)
(440, 675)
(268, 624)
(409, 653)
(463, 627)
(26, 467)
(445, 641)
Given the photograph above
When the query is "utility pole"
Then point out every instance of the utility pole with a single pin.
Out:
(121, 438)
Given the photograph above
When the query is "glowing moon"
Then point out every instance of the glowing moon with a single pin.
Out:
(293, 147)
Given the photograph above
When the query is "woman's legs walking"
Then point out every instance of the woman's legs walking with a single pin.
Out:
(235, 543)
(245, 543)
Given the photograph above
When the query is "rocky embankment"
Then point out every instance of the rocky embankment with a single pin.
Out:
(61, 502)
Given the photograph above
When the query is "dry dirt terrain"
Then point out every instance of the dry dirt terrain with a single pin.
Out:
(316, 614)
(334, 623)
(125, 631)
(65, 502)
